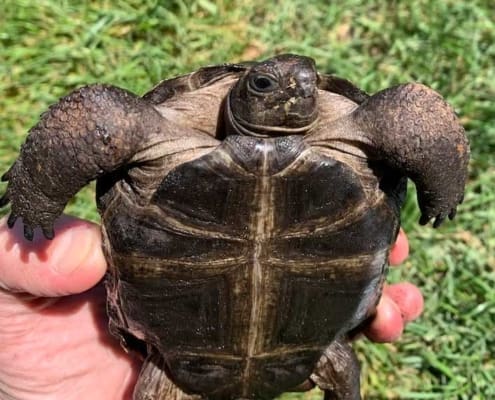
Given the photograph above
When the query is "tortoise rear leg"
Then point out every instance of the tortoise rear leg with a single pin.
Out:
(337, 372)
(154, 384)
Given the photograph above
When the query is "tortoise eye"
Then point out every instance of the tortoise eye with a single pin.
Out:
(262, 83)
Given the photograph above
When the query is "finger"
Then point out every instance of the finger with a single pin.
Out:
(70, 263)
(408, 299)
(400, 250)
(388, 325)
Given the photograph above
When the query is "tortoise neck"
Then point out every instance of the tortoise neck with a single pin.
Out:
(236, 125)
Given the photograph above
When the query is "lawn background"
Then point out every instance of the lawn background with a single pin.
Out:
(48, 48)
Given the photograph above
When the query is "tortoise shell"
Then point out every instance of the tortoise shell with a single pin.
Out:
(248, 211)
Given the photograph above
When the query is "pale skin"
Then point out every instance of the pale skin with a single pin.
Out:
(53, 336)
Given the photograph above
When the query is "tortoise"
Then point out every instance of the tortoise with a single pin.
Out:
(247, 214)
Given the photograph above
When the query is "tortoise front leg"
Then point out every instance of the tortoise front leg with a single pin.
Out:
(91, 132)
(337, 372)
(414, 131)
(88, 133)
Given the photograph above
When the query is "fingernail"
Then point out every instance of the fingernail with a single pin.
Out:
(72, 248)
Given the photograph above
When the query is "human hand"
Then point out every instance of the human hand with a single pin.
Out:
(400, 303)
(54, 341)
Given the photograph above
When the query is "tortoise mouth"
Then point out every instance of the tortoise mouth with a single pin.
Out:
(246, 128)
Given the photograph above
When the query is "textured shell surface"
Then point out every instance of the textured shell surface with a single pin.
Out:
(247, 215)
(247, 260)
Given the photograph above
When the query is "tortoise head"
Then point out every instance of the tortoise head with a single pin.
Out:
(275, 97)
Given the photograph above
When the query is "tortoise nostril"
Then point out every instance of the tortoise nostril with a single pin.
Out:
(306, 83)
(307, 89)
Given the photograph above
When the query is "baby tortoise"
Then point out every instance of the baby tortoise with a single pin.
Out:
(247, 214)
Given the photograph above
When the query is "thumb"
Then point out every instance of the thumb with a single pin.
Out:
(70, 263)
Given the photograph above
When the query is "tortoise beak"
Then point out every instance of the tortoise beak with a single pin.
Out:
(306, 84)
(307, 88)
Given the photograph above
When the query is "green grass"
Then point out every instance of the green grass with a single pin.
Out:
(48, 48)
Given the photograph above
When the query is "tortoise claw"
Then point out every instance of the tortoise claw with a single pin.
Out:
(48, 233)
(439, 219)
(5, 177)
(4, 200)
(28, 232)
(423, 220)
(11, 220)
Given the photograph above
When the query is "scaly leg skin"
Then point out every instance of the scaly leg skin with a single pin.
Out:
(154, 384)
(413, 130)
(93, 131)
(337, 372)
